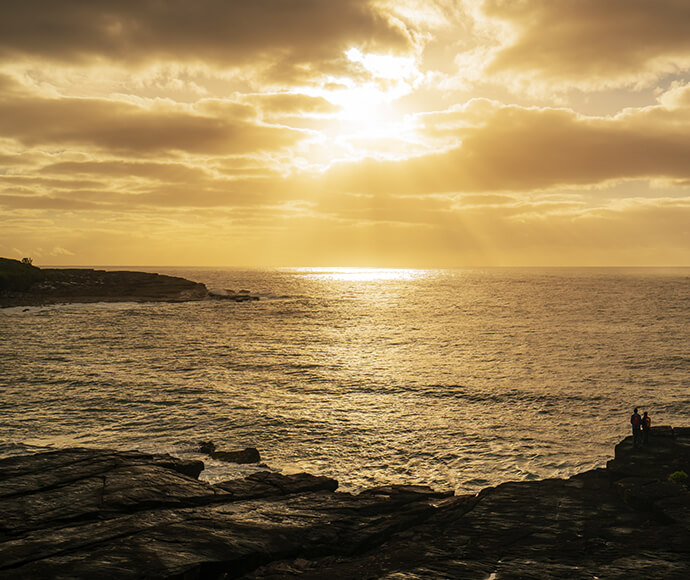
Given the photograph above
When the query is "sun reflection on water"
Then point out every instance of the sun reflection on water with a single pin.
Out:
(352, 274)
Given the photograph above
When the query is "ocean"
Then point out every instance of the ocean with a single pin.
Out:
(455, 379)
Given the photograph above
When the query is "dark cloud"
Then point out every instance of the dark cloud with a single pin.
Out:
(593, 41)
(123, 127)
(222, 33)
(12, 160)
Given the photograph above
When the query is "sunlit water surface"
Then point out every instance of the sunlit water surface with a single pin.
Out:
(453, 379)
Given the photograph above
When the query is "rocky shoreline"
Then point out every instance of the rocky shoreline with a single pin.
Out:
(88, 513)
(31, 286)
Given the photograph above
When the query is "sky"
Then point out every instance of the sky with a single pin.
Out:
(434, 134)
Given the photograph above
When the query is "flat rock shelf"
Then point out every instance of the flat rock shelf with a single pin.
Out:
(91, 513)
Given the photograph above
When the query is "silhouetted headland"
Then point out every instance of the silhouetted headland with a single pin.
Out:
(22, 284)
(88, 513)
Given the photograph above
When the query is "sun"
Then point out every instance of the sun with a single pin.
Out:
(389, 78)
(368, 120)
(366, 99)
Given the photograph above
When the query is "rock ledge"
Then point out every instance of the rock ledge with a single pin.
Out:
(87, 513)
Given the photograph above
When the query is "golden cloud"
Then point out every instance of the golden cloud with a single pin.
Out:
(45, 202)
(502, 149)
(287, 35)
(278, 104)
(592, 43)
(512, 148)
(123, 127)
(119, 168)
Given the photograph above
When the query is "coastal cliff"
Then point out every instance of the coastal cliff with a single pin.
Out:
(87, 513)
(22, 284)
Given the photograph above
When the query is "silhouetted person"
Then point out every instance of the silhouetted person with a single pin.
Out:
(646, 427)
(636, 422)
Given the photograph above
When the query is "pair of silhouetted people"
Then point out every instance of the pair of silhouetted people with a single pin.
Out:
(641, 426)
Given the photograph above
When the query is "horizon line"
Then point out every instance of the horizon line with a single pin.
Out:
(350, 267)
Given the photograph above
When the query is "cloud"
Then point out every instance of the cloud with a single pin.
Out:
(233, 131)
(591, 43)
(677, 98)
(502, 157)
(285, 34)
(512, 148)
(58, 251)
(44, 202)
(118, 126)
(278, 104)
(119, 168)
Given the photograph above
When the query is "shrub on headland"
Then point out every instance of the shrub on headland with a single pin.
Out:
(18, 276)
(679, 477)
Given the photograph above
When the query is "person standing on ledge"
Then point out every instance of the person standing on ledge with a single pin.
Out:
(646, 427)
(636, 422)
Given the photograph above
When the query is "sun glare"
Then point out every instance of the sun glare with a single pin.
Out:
(385, 66)
(368, 122)
(391, 77)
(362, 274)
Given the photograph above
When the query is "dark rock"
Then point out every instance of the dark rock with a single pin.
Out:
(410, 491)
(248, 455)
(61, 486)
(681, 432)
(25, 285)
(235, 297)
(83, 513)
(662, 431)
(675, 509)
(17, 276)
(227, 294)
(642, 493)
(131, 521)
(267, 484)
(65, 285)
(207, 447)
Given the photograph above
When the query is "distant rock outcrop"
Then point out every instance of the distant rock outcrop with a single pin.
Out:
(83, 514)
(227, 294)
(25, 285)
